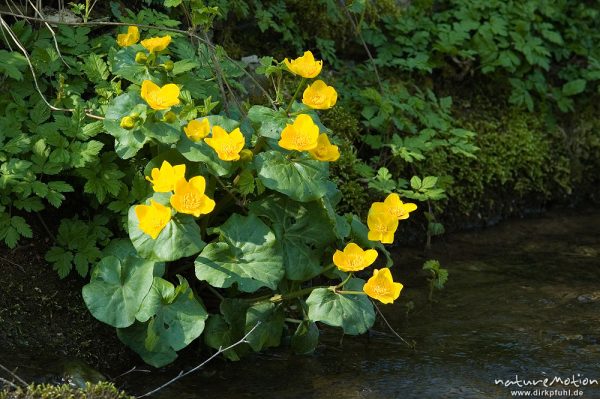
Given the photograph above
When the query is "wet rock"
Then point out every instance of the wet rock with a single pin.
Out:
(589, 298)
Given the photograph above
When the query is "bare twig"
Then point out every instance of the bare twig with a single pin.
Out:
(392, 328)
(217, 353)
(12, 263)
(38, 12)
(17, 42)
(134, 368)
(189, 33)
(364, 44)
(7, 382)
(16, 377)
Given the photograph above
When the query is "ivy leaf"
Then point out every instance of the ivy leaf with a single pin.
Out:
(117, 289)
(302, 180)
(247, 254)
(353, 313)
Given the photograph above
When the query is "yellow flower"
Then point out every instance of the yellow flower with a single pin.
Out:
(160, 97)
(131, 37)
(164, 179)
(305, 66)
(382, 286)
(319, 96)
(325, 151)
(155, 44)
(197, 129)
(382, 224)
(153, 218)
(354, 258)
(398, 208)
(302, 135)
(189, 197)
(227, 146)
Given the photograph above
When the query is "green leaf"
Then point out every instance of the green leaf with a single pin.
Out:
(139, 337)
(353, 313)
(302, 230)
(268, 333)
(305, 338)
(127, 142)
(122, 63)
(95, 68)
(180, 238)
(117, 289)
(183, 66)
(303, 180)
(202, 152)
(247, 254)
(268, 122)
(21, 226)
(574, 87)
(178, 316)
(62, 261)
(224, 330)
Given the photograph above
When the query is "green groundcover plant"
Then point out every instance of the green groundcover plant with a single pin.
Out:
(244, 202)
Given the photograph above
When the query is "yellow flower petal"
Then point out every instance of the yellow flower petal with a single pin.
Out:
(382, 286)
(382, 224)
(302, 135)
(131, 37)
(325, 151)
(155, 44)
(197, 129)
(398, 208)
(305, 66)
(354, 258)
(160, 98)
(189, 197)
(152, 218)
(164, 179)
(319, 96)
(227, 146)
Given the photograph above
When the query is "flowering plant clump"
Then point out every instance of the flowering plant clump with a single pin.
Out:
(241, 209)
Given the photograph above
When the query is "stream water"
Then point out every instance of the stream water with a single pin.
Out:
(522, 303)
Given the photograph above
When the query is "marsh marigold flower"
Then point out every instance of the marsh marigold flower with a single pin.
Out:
(354, 258)
(382, 224)
(131, 37)
(302, 135)
(160, 98)
(197, 129)
(156, 44)
(325, 151)
(227, 146)
(382, 286)
(127, 122)
(153, 218)
(319, 96)
(305, 66)
(164, 179)
(189, 197)
(398, 208)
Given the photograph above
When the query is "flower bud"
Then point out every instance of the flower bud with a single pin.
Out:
(170, 117)
(141, 57)
(168, 65)
(127, 122)
(246, 155)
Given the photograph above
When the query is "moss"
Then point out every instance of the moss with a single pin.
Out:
(345, 129)
(521, 162)
(102, 390)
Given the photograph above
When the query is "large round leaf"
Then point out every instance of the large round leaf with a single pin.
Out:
(353, 313)
(270, 319)
(301, 179)
(117, 289)
(141, 338)
(306, 338)
(127, 142)
(178, 239)
(178, 316)
(202, 152)
(269, 122)
(247, 255)
(122, 63)
(302, 229)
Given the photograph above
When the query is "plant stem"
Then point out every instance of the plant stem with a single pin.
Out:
(289, 107)
(351, 292)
